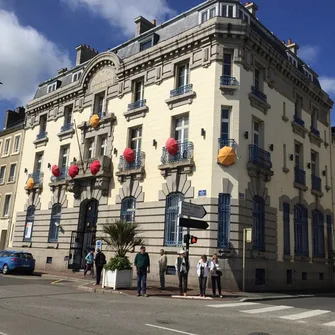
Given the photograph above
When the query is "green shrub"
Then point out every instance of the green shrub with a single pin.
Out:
(118, 263)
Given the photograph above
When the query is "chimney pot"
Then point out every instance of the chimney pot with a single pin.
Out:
(289, 42)
(154, 22)
(252, 7)
(143, 25)
(85, 53)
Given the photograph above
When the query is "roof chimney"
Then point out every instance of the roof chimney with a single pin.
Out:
(294, 47)
(143, 25)
(85, 53)
(252, 7)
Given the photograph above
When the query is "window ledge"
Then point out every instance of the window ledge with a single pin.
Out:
(287, 258)
(137, 174)
(4, 156)
(254, 170)
(315, 139)
(258, 254)
(228, 89)
(258, 103)
(298, 129)
(57, 183)
(286, 170)
(66, 134)
(15, 153)
(52, 245)
(41, 142)
(326, 144)
(180, 100)
(27, 245)
(11, 182)
(184, 166)
(136, 113)
(285, 118)
(319, 259)
(317, 193)
(300, 187)
(298, 258)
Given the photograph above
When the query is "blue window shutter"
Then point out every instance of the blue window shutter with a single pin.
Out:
(318, 234)
(128, 208)
(224, 220)
(286, 221)
(301, 231)
(258, 230)
(55, 218)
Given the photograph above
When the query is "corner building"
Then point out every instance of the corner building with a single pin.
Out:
(210, 78)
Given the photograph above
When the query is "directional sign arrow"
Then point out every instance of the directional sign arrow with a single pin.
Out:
(190, 223)
(196, 211)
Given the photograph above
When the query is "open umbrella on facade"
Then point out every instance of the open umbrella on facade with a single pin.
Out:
(95, 167)
(94, 120)
(129, 155)
(30, 184)
(55, 171)
(171, 146)
(226, 156)
(73, 171)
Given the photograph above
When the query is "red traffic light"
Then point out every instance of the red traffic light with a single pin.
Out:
(194, 239)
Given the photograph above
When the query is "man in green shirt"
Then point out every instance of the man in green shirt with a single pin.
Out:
(142, 267)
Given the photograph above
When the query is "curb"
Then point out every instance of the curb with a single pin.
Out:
(47, 276)
(99, 290)
(280, 297)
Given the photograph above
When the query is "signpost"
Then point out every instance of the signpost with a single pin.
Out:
(190, 223)
(247, 238)
(195, 211)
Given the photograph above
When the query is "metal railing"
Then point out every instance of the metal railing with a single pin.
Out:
(181, 90)
(137, 164)
(37, 176)
(41, 135)
(259, 94)
(315, 131)
(228, 81)
(227, 143)
(299, 121)
(185, 152)
(137, 104)
(66, 127)
(62, 176)
(316, 183)
(299, 176)
(259, 157)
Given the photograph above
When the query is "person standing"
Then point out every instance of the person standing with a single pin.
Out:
(142, 267)
(100, 261)
(89, 263)
(202, 272)
(216, 274)
(182, 268)
(162, 262)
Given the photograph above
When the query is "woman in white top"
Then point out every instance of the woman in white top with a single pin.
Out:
(202, 272)
(216, 274)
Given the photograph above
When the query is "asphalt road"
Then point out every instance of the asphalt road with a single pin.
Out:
(34, 306)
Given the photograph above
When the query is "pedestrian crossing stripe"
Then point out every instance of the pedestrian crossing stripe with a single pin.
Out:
(237, 304)
(267, 309)
(304, 315)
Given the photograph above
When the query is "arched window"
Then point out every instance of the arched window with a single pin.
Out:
(55, 222)
(318, 234)
(286, 226)
(28, 228)
(258, 230)
(301, 231)
(128, 208)
(173, 234)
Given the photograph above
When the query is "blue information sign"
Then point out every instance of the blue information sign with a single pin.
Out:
(202, 193)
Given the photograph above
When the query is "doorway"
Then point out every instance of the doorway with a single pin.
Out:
(83, 240)
(3, 235)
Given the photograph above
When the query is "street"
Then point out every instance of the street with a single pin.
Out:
(32, 305)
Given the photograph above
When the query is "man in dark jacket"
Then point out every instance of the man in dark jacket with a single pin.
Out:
(142, 266)
(182, 268)
(100, 261)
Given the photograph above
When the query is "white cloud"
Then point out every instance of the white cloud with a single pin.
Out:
(121, 13)
(26, 58)
(309, 53)
(328, 84)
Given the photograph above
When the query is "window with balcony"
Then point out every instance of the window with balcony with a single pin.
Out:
(90, 148)
(224, 136)
(258, 230)
(6, 147)
(55, 222)
(258, 98)
(136, 140)
(318, 234)
(37, 174)
(173, 234)
(42, 135)
(68, 111)
(100, 104)
(29, 225)
(181, 129)
(316, 180)
(298, 110)
(128, 209)
(12, 170)
(64, 154)
(2, 174)
(301, 231)
(330, 247)
(6, 205)
(286, 225)
(102, 139)
(227, 78)
(299, 171)
(16, 145)
(224, 220)
(183, 73)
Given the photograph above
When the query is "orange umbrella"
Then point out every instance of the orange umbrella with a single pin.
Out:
(227, 156)
(30, 183)
(94, 120)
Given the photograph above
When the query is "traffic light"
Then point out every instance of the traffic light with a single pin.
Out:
(186, 238)
(194, 239)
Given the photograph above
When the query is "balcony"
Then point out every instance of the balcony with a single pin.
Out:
(37, 176)
(316, 186)
(259, 162)
(135, 169)
(181, 96)
(182, 160)
(298, 126)
(60, 179)
(314, 136)
(258, 100)
(66, 131)
(227, 143)
(41, 139)
(300, 178)
(228, 84)
(136, 109)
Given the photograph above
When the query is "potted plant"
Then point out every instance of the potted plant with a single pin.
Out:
(122, 238)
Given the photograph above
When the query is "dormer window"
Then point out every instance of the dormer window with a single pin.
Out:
(308, 74)
(148, 42)
(292, 60)
(244, 16)
(52, 87)
(208, 14)
(76, 76)
(228, 10)
(146, 45)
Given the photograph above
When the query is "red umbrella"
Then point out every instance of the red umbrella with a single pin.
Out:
(129, 155)
(95, 167)
(55, 170)
(73, 171)
(171, 146)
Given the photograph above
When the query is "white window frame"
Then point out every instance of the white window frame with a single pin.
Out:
(228, 4)
(8, 139)
(208, 11)
(245, 17)
(52, 87)
(181, 128)
(64, 152)
(68, 110)
(256, 132)
(5, 215)
(103, 138)
(19, 144)
(96, 104)
(308, 74)
(14, 174)
(76, 76)
(136, 141)
(90, 147)
(136, 82)
(38, 161)
(292, 60)
(183, 67)
(3, 180)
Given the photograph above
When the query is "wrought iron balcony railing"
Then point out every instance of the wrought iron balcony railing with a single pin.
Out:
(316, 183)
(181, 90)
(137, 164)
(259, 94)
(137, 104)
(299, 121)
(185, 152)
(223, 142)
(228, 81)
(42, 135)
(66, 127)
(62, 176)
(299, 176)
(37, 176)
(315, 131)
(259, 157)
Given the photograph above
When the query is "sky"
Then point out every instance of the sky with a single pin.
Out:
(39, 37)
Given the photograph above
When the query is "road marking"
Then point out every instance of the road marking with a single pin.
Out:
(305, 315)
(237, 304)
(266, 309)
(55, 282)
(169, 329)
(3, 333)
(329, 324)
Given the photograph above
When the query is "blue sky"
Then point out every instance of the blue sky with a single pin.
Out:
(38, 37)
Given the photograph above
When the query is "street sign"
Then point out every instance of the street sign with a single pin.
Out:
(98, 244)
(196, 211)
(190, 223)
